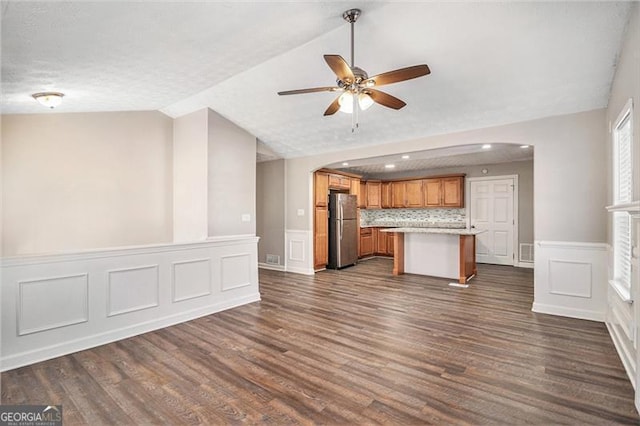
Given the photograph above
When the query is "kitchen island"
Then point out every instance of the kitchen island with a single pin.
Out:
(439, 252)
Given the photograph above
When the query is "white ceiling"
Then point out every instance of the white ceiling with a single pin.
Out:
(491, 63)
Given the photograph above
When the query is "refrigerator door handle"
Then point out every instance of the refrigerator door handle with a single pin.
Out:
(341, 221)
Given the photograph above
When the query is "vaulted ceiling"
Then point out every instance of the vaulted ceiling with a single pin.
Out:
(491, 63)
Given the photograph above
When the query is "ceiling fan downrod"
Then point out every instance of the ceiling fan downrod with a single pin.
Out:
(351, 16)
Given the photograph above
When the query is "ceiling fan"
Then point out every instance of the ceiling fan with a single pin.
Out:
(356, 86)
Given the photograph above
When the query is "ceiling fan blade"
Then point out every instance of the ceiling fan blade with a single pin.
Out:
(312, 90)
(385, 99)
(333, 108)
(340, 67)
(398, 75)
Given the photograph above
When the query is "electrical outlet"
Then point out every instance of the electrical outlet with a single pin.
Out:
(246, 217)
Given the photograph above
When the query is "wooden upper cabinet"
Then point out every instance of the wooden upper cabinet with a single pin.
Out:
(321, 189)
(362, 201)
(397, 194)
(453, 192)
(339, 182)
(355, 189)
(373, 195)
(385, 195)
(444, 192)
(413, 194)
(432, 192)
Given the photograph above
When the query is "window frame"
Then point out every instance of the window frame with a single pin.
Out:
(622, 207)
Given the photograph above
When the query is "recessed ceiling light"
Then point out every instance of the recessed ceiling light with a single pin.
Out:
(405, 157)
(345, 164)
(389, 166)
(486, 146)
(524, 146)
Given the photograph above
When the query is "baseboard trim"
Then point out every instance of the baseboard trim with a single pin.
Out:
(568, 312)
(302, 271)
(527, 265)
(621, 354)
(54, 351)
(271, 267)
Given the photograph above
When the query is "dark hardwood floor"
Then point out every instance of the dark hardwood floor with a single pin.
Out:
(356, 346)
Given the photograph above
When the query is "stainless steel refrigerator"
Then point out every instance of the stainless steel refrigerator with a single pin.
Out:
(343, 231)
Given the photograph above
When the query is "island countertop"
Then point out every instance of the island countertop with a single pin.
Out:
(449, 231)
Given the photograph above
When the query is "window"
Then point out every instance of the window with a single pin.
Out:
(622, 199)
(623, 185)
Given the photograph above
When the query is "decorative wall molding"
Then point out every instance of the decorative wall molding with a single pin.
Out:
(54, 302)
(235, 271)
(571, 279)
(190, 279)
(132, 289)
(298, 257)
(180, 279)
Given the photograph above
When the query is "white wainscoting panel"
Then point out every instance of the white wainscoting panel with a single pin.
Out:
(571, 279)
(53, 305)
(298, 258)
(191, 279)
(132, 289)
(54, 302)
(236, 271)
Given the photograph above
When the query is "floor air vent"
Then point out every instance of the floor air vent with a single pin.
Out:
(526, 252)
(273, 259)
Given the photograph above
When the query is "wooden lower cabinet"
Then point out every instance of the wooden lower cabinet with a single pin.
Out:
(321, 242)
(366, 242)
(381, 242)
(375, 242)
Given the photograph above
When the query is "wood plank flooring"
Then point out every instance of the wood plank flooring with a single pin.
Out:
(356, 346)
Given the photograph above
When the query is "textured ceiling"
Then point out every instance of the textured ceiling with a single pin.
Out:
(492, 63)
(465, 155)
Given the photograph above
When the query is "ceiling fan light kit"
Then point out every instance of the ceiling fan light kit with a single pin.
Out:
(357, 87)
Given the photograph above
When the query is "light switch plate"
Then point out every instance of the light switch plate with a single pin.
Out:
(300, 212)
(246, 217)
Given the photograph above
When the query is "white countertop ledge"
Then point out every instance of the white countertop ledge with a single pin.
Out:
(450, 231)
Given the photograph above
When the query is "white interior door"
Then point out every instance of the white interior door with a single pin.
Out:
(491, 208)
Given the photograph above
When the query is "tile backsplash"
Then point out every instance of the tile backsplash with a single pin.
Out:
(436, 218)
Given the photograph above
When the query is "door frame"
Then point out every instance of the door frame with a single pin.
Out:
(467, 202)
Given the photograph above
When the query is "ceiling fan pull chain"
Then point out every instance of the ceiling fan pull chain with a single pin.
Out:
(353, 115)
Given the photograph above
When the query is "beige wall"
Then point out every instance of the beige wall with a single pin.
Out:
(270, 209)
(89, 180)
(524, 170)
(569, 172)
(232, 178)
(190, 175)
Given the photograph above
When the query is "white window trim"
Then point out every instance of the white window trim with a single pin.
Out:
(633, 207)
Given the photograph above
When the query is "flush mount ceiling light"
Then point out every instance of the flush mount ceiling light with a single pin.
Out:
(49, 99)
